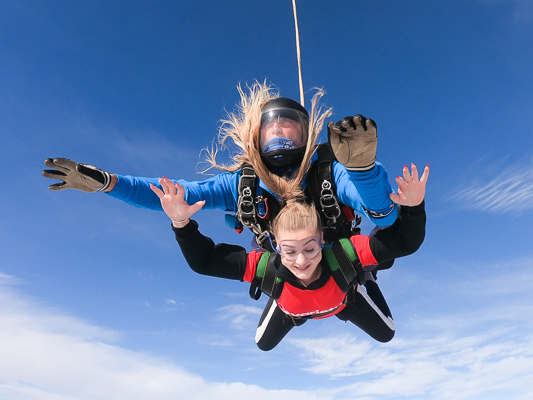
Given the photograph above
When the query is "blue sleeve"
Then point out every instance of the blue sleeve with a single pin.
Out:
(366, 192)
(219, 191)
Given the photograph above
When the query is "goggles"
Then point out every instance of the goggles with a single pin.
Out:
(310, 250)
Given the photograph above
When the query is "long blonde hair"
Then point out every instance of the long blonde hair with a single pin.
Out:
(243, 129)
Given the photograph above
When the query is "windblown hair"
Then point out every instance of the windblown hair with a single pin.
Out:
(297, 215)
(243, 128)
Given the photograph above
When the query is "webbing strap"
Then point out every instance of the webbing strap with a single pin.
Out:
(269, 278)
(265, 280)
(262, 265)
(322, 190)
(245, 203)
(342, 256)
(246, 208)
(255, 286)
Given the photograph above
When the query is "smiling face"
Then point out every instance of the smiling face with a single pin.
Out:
(301, 253)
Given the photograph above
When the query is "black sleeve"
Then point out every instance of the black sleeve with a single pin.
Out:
(402, 238)
(204, 257)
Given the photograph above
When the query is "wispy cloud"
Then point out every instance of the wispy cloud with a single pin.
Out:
(508, 190)
(479, 347)
(240, 316)
(47, 355)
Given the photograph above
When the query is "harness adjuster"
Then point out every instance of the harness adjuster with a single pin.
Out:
(245, 207)
(328, 202)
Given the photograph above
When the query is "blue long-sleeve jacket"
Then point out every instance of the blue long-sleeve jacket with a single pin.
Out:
(366, 192)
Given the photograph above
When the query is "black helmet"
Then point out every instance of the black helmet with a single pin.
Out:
(279, 150)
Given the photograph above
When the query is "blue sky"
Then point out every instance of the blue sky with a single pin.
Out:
(96, 301)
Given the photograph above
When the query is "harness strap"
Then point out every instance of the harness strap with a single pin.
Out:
(246, 209)
(343, 257)
(322, 186)
(269, 280)
(245, 204)
(255, 286)
(338, 220)
(265, 280)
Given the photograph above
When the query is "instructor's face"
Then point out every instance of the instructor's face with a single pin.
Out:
(282, 127)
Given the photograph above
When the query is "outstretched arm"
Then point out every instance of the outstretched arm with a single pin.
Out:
(202, 254)
(219, 192)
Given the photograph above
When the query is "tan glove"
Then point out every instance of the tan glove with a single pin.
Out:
(74, 175)
(354, 141)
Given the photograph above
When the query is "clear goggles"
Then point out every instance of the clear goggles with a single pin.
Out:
(310, 250)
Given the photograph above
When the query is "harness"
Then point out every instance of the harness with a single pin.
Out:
(338, 220)
(257, 207)
(341, 258)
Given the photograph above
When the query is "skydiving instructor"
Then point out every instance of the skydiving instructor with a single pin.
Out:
(273, 135)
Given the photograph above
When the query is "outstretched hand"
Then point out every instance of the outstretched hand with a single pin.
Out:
(74, 175)
(173, 202)
(411, 190)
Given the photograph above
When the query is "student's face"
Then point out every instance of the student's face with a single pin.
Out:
(301, 253)
(282, 127)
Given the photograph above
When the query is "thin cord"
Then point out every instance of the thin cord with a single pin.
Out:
(302, 100)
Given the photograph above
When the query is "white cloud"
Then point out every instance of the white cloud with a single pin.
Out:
(47, 355)
(442, 366)
(507, 190)
(240, 316)
(480, 346)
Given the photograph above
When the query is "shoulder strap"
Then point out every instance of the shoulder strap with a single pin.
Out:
(344, 263)
(245, 204)
(323, 192)
(321, 184)
(246, 207)
(266, 280)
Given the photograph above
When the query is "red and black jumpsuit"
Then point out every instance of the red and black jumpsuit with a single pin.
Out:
(323, 297)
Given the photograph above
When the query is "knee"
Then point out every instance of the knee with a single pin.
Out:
(385, 336)
(265, 345)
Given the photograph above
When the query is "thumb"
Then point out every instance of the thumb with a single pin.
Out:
(395, 198)
(198, 205)
(157, 191)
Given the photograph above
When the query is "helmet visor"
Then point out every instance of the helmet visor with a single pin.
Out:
(283, 128)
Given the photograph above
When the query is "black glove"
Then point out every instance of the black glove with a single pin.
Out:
(354, 141)
(73, 175)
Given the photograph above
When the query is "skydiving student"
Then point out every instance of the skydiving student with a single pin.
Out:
(273, 135)
(304, 277)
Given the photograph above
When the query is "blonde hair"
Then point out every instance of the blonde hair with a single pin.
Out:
(243, 129)
(297, 215)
